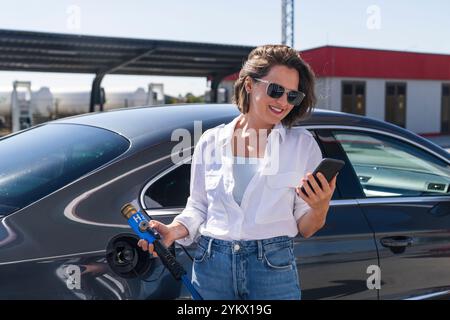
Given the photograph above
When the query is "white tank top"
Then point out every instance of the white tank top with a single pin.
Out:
(243, 171)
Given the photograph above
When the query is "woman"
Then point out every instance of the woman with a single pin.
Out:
(245, 205)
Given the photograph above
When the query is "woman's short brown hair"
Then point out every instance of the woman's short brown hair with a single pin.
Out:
(258, 64)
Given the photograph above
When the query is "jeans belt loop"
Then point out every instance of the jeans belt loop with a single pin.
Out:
(209, 247)
(260, 249)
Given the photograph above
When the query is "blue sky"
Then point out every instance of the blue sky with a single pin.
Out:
(413, 25)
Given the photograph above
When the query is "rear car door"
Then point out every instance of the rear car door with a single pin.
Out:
(163, 198)
(407, 202)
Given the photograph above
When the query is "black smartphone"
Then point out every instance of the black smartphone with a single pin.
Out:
(328, 167)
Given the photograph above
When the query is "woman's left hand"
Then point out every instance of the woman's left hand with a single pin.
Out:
(317, 198)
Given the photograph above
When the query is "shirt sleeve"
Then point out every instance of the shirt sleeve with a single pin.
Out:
(194, 214)
(313, 159)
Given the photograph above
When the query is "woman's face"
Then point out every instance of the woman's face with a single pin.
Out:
(267, 110)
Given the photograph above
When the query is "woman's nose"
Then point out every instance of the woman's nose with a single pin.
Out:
(283, 100)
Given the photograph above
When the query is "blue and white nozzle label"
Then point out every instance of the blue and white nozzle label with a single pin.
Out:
(136, 220)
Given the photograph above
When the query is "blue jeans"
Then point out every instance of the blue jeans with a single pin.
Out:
(255, 270)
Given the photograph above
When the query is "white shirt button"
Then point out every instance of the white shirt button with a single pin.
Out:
(237, 247)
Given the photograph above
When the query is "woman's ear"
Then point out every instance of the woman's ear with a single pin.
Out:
(248, 84)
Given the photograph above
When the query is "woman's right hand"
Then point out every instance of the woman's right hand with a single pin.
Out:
(169, 233)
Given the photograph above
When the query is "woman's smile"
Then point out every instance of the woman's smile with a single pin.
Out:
(276, 110)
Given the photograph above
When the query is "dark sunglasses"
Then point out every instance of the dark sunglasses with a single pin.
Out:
(276, 91)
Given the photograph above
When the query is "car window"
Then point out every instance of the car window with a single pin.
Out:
(171, 190)
(388, 167)
(41, 160)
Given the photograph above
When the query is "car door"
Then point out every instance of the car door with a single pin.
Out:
(407, 202)
(332, 264)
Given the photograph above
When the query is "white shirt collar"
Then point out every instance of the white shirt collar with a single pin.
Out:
(226, 132)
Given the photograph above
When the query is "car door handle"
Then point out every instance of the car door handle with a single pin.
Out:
(397, 242)
(441, 209)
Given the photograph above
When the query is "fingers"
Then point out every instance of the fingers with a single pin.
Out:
(324, 182)
(147, 247)
(333, 181)
(302, 195)
(163, 231)
(316, 190)
(309, 192)
(159, 227)
(155, 225)
(151, 249)
(315, 186)
(143, 244)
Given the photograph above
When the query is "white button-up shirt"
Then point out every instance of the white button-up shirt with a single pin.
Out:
(270, 206)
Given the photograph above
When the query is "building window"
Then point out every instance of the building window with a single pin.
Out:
(445, 113)
(354, 97)
(395, 108)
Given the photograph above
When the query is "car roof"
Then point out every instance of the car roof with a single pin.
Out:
(136, 121)
(132, 122)
(152, 120)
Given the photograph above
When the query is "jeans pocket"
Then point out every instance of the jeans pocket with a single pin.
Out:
(281, 259)
(200, 254)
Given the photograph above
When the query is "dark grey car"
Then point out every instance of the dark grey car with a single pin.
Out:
(62, 185)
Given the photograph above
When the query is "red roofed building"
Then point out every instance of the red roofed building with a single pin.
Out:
(409, 89)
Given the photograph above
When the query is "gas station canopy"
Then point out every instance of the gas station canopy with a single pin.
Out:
(69, 53)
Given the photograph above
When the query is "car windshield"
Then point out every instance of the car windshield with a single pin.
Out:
(39, 161)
